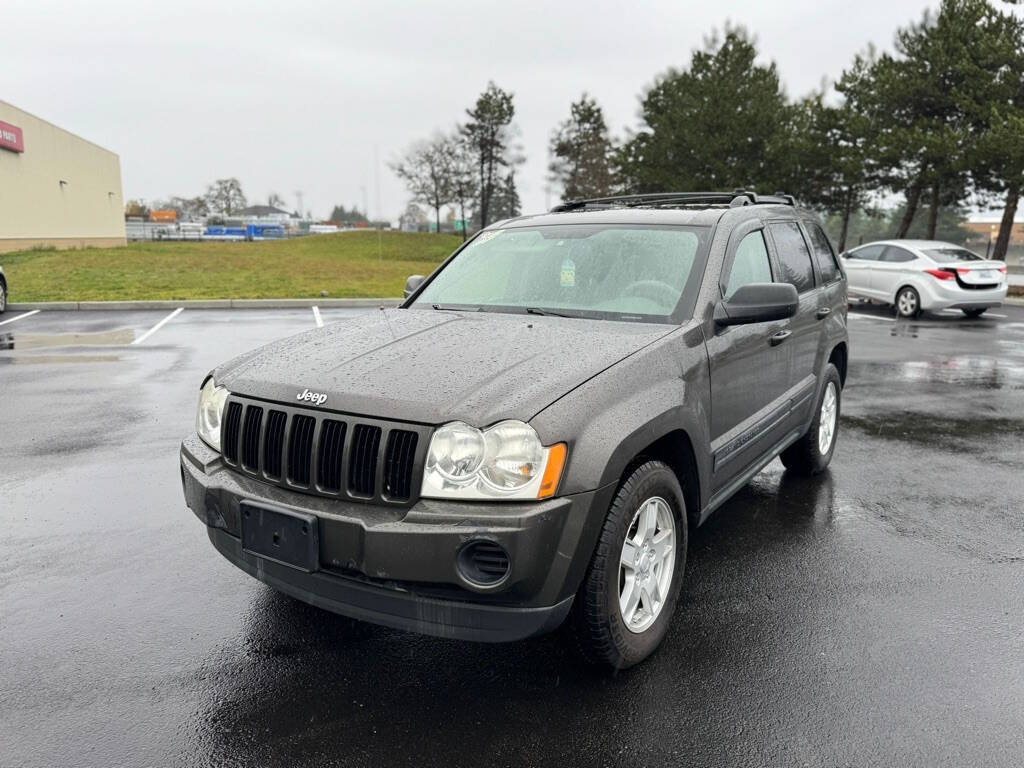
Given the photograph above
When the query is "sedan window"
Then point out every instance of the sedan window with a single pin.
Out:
(867, 253)
(896, 255)
(951, 254)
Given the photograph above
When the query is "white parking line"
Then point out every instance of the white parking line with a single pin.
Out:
(158, 326)
(871, 317)
(11, 320)
(316, 316)
(993, 314)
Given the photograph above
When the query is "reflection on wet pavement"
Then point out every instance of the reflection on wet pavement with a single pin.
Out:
(24, 341)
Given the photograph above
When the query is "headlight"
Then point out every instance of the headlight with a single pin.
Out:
(506, 461)
(211, 410)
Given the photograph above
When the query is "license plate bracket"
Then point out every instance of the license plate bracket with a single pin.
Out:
(286, 537)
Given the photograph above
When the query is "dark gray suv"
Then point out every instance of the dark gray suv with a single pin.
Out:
(533, 433)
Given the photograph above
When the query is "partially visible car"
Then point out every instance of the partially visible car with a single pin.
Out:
(3, 291)
(925, 275)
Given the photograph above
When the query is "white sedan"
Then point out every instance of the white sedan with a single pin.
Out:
(918, 275)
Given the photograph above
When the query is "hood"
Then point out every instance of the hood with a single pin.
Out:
(435, 366)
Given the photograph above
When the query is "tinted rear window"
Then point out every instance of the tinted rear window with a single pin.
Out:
(794, 257)
(824, 254)
(867, 253)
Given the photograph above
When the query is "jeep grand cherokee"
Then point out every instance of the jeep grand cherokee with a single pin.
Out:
(533, 433)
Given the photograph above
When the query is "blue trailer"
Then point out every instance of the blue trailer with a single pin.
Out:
(264, 232)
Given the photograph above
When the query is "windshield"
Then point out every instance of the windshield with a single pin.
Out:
(951, 254)
(608, 271)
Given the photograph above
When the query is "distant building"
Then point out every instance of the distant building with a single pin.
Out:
(264, 212)
(982, 229)
(56, 189)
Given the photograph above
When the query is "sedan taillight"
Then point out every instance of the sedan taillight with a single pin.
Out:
(941, 274)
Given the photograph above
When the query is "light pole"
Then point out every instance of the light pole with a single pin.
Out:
(988, 247)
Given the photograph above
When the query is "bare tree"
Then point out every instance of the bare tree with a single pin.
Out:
(274, 200)
(425, 169)
(225, 196)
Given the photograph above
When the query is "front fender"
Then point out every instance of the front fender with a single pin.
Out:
(610, 419)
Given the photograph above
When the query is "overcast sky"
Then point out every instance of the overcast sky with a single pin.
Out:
(304, 95)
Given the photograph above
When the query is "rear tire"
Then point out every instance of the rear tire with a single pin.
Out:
(611, 628)
(908, 302)
(974, 312)
(3, 297)
(812, 453)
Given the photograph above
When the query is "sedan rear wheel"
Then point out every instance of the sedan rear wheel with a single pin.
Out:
(908, 302)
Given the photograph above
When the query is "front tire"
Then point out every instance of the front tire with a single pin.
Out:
(623, 609)
(908, 302)
(974, 312)
(3, 297)
(812, 453)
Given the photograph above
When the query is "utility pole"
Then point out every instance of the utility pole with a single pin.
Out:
(298, 194)
(376, 180)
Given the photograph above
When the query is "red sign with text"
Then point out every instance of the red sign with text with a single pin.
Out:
(11, 138)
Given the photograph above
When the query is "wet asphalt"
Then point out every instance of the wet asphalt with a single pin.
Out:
(870, 616)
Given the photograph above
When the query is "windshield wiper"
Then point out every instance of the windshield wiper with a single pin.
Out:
(443, 308)
(536, 311)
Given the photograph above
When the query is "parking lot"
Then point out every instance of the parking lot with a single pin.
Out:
(873, 615)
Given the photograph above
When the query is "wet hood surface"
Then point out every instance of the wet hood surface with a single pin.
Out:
(435, 366)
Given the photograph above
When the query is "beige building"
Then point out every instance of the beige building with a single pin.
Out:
(56, 189)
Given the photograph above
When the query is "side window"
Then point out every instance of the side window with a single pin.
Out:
(896, 255)
(750, 264)
(823, 253)
(868, 253)
(794, 257)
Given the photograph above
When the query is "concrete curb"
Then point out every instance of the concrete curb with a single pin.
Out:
(204, 304)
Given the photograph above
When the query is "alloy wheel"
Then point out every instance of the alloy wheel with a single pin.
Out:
(646, 564)
(827, 418)
(907, 303)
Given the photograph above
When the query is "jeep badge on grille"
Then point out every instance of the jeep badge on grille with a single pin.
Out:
(316, 398)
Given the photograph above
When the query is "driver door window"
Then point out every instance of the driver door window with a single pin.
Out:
(750, 264)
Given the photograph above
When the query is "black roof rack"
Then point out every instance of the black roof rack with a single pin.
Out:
(734, 199)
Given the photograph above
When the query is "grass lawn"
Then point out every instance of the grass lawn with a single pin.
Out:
(347, 264)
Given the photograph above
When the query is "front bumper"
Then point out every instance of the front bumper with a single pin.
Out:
(397, 566)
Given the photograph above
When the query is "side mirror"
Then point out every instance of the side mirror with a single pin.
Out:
(758, 303)
(412, 284)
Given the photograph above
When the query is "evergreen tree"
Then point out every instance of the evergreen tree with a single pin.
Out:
(717, 125)
(582, 152)
(488, 135)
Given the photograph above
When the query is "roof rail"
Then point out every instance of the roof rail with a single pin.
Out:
(733, 199)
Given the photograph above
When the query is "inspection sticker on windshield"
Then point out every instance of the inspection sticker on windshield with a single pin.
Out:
(568, 278)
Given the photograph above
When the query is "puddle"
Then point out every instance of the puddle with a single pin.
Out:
(20, 341)
(985, 372)
(924, 429)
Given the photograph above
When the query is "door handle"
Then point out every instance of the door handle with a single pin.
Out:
(778, 338)
(823, 313)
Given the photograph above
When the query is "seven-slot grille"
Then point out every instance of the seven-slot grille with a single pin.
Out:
(325, 454)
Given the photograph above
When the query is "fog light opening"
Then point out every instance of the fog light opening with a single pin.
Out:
(483, 563)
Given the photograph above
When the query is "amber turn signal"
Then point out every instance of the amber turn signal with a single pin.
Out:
(552, 471)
